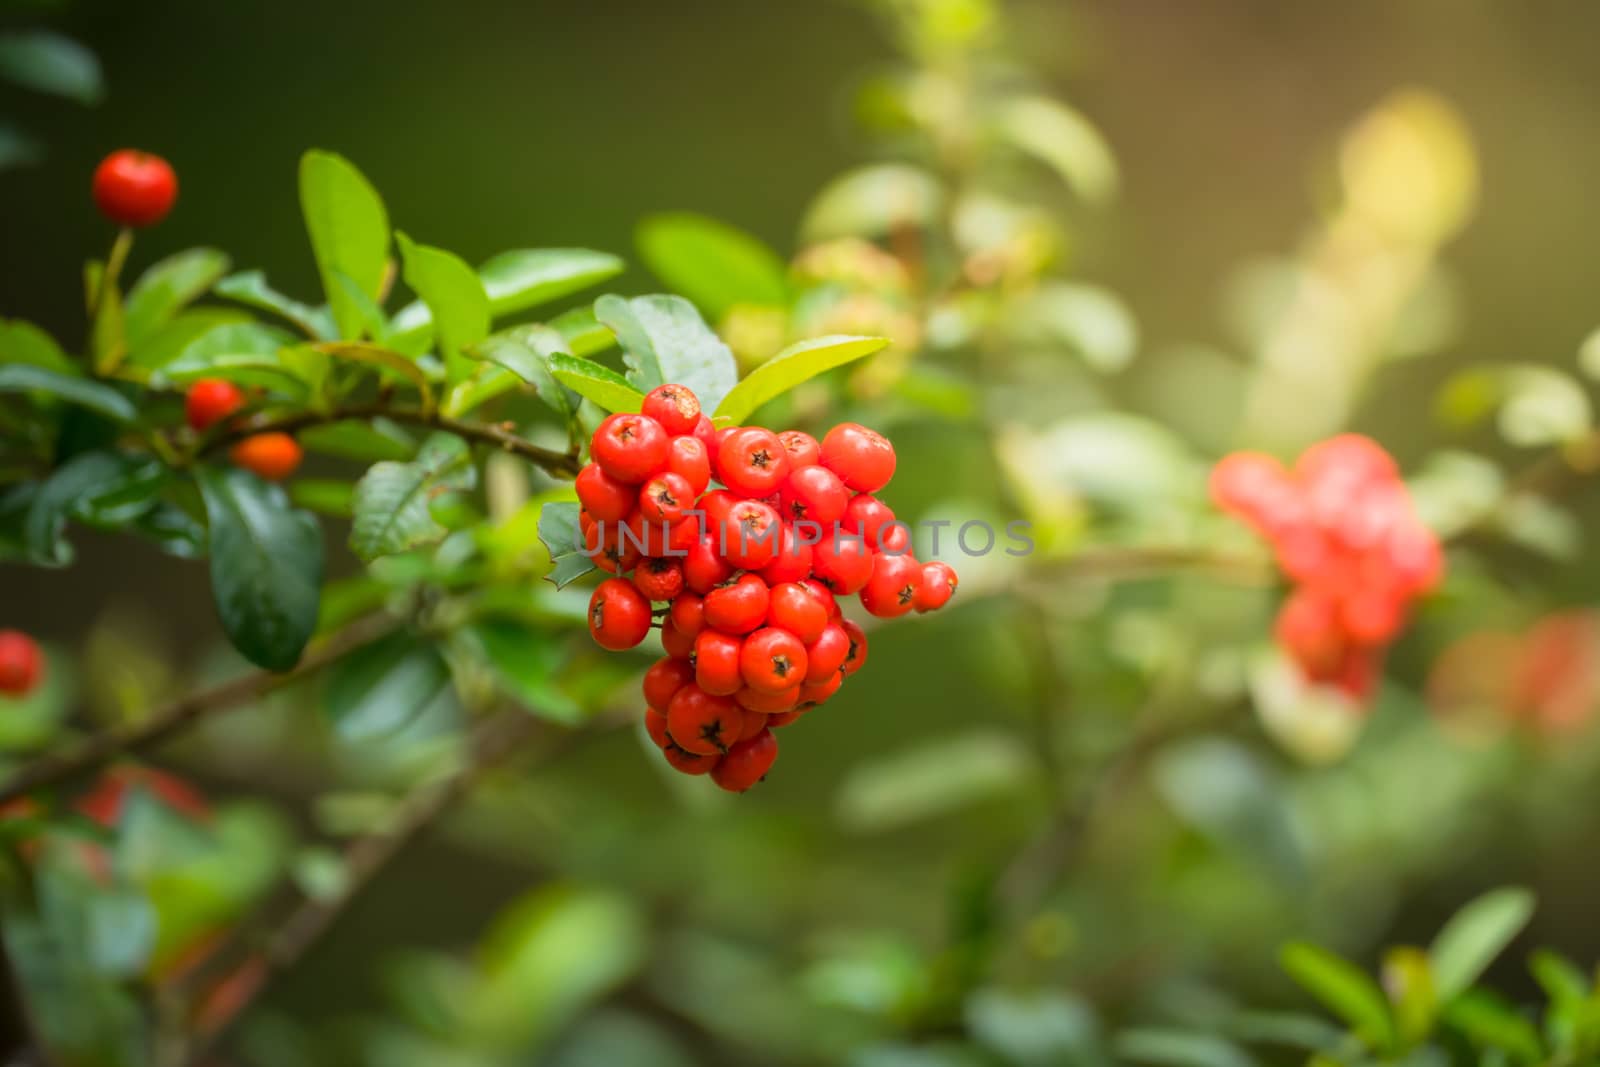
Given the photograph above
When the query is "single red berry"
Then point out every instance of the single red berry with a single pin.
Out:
(663, 680)
(857, 656)
(814, 693)
(704, 567)
(1247, 483)
(754, 723)
(752, 535)
(650, 536)
(273, 456)
(825, 595)
(802, 448)
(675, 407)
(658, 579)
(707, 433)
(630, 448)
(792, 561)
(619, 615)
(676, 643)
(842, 562)
(608, 546)
(716, 662)
(602, 496)
(862, 458)
(688, 613)
(772, 660)
(1308, 629)
(892, 589)
(714, 449)
(703, 722)
(1349, 456)
(895, 539)
(688, 762)
(826, 655)
(746, 763)
(868, 516)
(738, 607)
(752, 462)
(655, 724)
(133, 188)
(210, 400)
(666, 497)
(938, 585)
(779, 719)
(1371, 616)
(21, 663)
(765, 703)
(687, 457)
(796, 608)
(814, 494)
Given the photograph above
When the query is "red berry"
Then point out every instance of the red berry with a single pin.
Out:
(814, 693)
(779, 719)
(772, 660)
(815, 494)
(1245, 483)
(718, 505)
(825, 595)
(619, 615)
(746, 763)
(676, 643)
(607, 544)
(752, 462)
(1308, 629)
(704, 568)
(754, 722)
(857, 656)
(716, 662)
(655, 724)
(650, 537)
(892, 589)
(663, 680)
(21, 663)
(796, 608)
(630, 448)
(273, 456)
(688, 762)
(938, 585)
(666, 497)
(765, 703)
(842, 562)
(752, 535)
(703, 722)
(868, 516)
(659, 579)
(826, 655)
(802, 448)
(209, 401)
(707, 433)
(739, 607)
(675, 407)
(133, 188)
(792, 561)
(602, 496)
(1371, 616)
(688, 613)
(687, 458)
(862, 458)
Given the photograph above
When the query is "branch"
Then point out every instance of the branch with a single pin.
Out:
(101, 748)
(497, 435)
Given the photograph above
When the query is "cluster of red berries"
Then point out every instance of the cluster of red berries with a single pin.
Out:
(749, 571)
(21, 663)
(273, 455)
(1344, 531)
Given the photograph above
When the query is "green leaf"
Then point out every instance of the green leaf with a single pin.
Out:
(1408, 979)
(325, 496)
(1089, 320)
(526, 277)
(1538, 405)
(50, 63)
(454, 295)
(665, 340)
(1343, 989)
(525, 662)
(1034, 1028)
(1062, 138)
(583, 333)
(383, 686)
(396, 364)
(872, 201)
(598, 383)
(104, 483)
(170, 340)
(1474, 936)
(561, 537)
(18, 149)
(349, 231)
(390, 509)
(266, 566)
(1489, 1022)
(525, 351)
(1179, 1048)
(360, 439)
(251, 289)
(795, 364)
(713, 264)
(96, 396)
(174, 530)
(244, 352)
(930, 779)
(23, 342)
(169, 286)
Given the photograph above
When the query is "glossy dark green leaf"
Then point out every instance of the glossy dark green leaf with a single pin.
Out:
(560, 534)
(23, 342)
(715, 265)
(1489, 1022)
(349, 231)
(382, 686)
(112, 486)
(96, 396)
(173, 529)
(390, 508)
(359, 439)
(266, 566)
(795, 364)
(251, 289)
(1342, 988)
(48, 62)
(665, 340)
(168, 286)
(597, 383)
(1474, 936)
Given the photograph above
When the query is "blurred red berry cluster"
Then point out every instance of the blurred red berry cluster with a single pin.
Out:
(1344, 532)
(749, 571)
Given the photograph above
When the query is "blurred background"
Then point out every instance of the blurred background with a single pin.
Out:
(1369, 215)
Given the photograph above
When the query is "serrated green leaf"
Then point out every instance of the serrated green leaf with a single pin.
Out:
(600, 384)
(663, 340)
(560, 534)
(49, 62)
(349, 231)
(168, 286)
(390, 509)
(713, 264)
(23, 342)
(251, 289)
(1343, 989)
(1474, 936)
(266, 566)
(795, 364)
(383, 686)
(95, 396)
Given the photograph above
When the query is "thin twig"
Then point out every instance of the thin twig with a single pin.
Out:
(102, 747)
